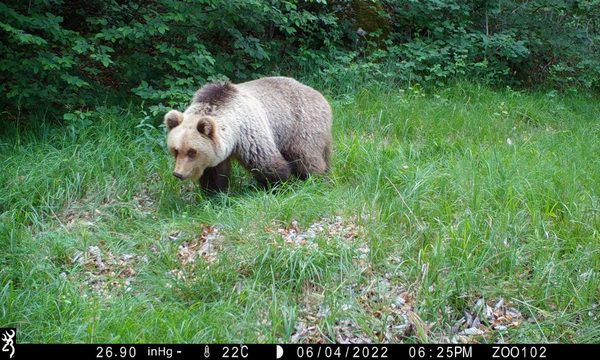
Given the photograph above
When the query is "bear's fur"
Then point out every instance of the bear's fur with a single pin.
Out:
(275, 126)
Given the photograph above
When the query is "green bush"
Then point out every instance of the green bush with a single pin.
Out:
(66, 56)
(541, 42)
(70, 53)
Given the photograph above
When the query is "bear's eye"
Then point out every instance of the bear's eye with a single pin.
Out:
(191, 153)
(175, 152)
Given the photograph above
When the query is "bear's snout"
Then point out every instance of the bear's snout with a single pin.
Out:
(178, 175)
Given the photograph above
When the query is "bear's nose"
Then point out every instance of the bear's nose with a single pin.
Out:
(178, 175)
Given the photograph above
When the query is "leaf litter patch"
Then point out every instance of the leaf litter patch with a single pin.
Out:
(308, 327)
(392, 307)
(75, 216)
(205, 246)
(387, 310)
(386, 305)
(87, 211)
(105, 271)
(484, 319)
(337, 226)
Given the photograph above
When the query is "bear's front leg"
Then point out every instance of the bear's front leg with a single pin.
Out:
(216, 179)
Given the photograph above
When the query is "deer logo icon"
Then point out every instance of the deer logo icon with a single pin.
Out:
(9, 342)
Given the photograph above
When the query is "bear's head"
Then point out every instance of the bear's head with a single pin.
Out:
(191, 140)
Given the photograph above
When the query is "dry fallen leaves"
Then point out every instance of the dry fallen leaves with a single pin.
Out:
(484, 318)
(312, 310)
(337, 226)
(390, 305)
(87, 211)
(380, 298)
(106, 271)
(205, 246)
(74, 216)
(394, 305)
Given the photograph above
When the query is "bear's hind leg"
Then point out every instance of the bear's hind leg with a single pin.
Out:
(305, 165)
(272, 174)
(309, 157)
(270, 170)
(216, 179)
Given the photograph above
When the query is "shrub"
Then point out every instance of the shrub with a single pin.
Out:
(71, 55)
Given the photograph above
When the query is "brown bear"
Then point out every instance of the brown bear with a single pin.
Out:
(275, 126)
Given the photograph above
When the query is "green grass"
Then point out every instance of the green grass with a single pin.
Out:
(448, 214)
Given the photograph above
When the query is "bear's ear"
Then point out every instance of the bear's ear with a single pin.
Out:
(206, 126)
(172, 119)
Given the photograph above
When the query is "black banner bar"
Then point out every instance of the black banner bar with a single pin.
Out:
(299, 352)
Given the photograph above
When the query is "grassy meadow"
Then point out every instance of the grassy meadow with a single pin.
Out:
(464, 215)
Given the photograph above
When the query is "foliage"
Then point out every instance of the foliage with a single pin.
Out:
(540, 42)
(70, 52)
(71, 55)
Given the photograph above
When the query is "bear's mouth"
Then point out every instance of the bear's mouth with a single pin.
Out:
(194, 174)
(179, 176)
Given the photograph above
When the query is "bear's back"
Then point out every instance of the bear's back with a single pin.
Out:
(290, 106)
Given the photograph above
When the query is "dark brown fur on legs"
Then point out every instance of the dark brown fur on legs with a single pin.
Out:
(303, 169)
(216, 179)
(271, 174)
(303, 165)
